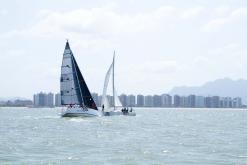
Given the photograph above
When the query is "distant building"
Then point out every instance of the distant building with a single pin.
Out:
(208, 102)
(43, 100)
(58, 100)
(148, 101)
(227, 102)
(22, 103)
(110, 100)
(200, 102)
(191, 101)
(123, 99)
(215, 102)
(100, 99)
(237, 102)
(183, 101)
(176, 101)
(131, 100)
(96, 99)
(140, 101)
(157, 101)
(49, 100)
(166, 100)
(36, 100)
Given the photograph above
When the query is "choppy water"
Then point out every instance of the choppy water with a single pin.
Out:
(154, 136)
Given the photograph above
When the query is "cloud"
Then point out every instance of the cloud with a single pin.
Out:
(98, 27)
(104, 21)
(159, 67)
(201, 60)
(192, 12)
(3, 12)
(216, 24)
(222, 10)
(226, 49)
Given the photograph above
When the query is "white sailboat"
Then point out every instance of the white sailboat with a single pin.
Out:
(116, 108)
(73, 89)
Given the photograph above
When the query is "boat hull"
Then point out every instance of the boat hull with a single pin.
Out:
(80, 112)
(117, 113)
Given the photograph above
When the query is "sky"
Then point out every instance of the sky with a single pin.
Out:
(159, 44)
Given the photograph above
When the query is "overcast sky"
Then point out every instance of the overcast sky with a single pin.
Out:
(159, 44)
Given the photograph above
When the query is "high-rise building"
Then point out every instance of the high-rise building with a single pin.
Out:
(131, 100)
(123, 99)
(237, 102)
(200, 102)
(183, 101)
(43, 100)
(110, 100)
(36, 100)
(221, 102)
(148, 101)
(208, 102)
(96, 99)
(191, 101)
(227, 102)
(140, 101)
(49, 100)
(166, 100)
(176, 101)
(58, 100)
(100, 100)
(215, 102)
(157, 101)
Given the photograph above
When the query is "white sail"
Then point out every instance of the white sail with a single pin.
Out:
(70, 93)
(105, 100)
(117, 100)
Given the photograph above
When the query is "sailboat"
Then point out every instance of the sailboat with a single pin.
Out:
(116, 108)
(75, 94)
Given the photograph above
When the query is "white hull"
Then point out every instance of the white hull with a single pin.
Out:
(118, 111)
(80, 112)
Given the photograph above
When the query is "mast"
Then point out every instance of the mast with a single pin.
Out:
(113, 85)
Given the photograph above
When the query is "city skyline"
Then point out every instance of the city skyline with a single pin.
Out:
(165, 100)
(159, 44)
(43, 99)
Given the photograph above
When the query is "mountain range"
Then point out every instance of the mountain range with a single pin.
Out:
(220, 87)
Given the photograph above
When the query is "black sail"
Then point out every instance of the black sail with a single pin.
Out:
(86, 95)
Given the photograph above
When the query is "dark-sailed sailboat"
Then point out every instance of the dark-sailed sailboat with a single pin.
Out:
(73, 89)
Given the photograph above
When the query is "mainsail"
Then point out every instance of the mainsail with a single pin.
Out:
(73, 87)
(105, 101)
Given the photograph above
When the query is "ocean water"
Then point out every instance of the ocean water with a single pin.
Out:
(153, 137)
